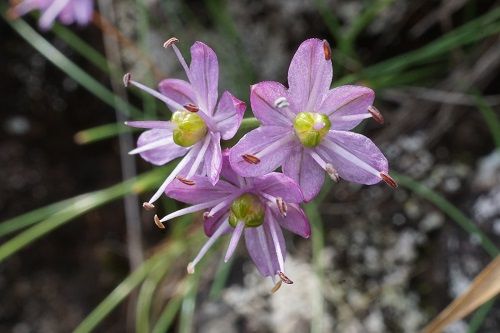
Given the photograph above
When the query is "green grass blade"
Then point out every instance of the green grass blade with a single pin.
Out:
(102, 132)
(67, 66)
(220, 278)
(449, 209)
(168, 315)
(83, 204)
(186, 320)
(490, 117)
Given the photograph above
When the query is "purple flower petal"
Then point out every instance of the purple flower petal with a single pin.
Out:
(347, 106)
(164, 151)
(227, 171)
(295, 221)
(263, 96)
(213, 158)
(201, 191)
(279, 185)
(177, 90)
(274, 141)
(229, 114)
(355, 157)
(211, 224)
(310, 75)
(302, 168)
(83, 11)
(204, 70)
(261, 248)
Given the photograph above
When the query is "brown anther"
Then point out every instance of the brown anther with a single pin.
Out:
(251, 159)
(185, 180)
(148, 206)
(206, 215)
(376, 115)
(332, 172)
(284, 278)
(282, 206)
(191, 107)
(158, 222)
(388, 180)
(126, 79)
(327, 50)
(277, 286)
(170, 41)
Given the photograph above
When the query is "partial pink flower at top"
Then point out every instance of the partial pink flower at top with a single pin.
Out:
(305, 129)
(67, 11)
(198, 122)
(258, 207)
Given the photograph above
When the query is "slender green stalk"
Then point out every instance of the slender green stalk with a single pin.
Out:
(168, 315)
(70, 68)
(448, 208)
(490, 117)
(84, 203)
(220, 278)
(188, 306)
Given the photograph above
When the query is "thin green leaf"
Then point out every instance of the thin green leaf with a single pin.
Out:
(490, 117)
(102, 132)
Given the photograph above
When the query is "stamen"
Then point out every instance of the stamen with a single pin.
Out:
(186, 181)
(274, 146)
(51, 13)
(282, 206)
(220, 231)
(151, 145)
(206, 215)
(170, 41)
(344, 153)
(127, 80)
(250, 159)
(148, 206)
(332, 172)
(191, 209)
(224, 203)
(235, 238)
(277, 286)
(276, 242)
(172, 175)
(388, 179)
(375, 113)
(327, 50)
(352, 117)
(199, 158)
(281, 102)
(284, 278)
(158, 222)
(191, 107)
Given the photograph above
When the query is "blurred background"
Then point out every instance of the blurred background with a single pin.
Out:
(379, 260)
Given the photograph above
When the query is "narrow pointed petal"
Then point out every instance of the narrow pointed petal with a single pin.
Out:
(235, 239)
(213, 158)
(346, 105)
(150, 124)
(302, 168)
(256, 141)
(279, 185)
(201, 191)
(229, 114)
(355, 157)
(177, 90)
(262, 251)
(295, 221)
(310, 75)
(163, 154)
(263, 97)
(204, 75)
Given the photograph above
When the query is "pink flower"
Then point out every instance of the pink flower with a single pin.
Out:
(257, 207)
(306, 128)
(67, 11)
(198, 122)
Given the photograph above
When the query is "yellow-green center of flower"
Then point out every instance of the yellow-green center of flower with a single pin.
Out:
(247, 209)
(189, 128)
(311, 128)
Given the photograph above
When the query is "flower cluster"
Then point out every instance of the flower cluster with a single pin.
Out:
(67, 11)
(304, 129)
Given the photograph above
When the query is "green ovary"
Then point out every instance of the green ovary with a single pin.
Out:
(189, 128)
(311, 128)
(247, 209)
